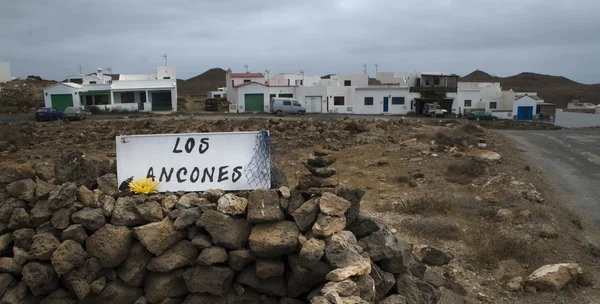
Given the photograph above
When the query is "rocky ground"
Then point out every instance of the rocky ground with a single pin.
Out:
(489, 209)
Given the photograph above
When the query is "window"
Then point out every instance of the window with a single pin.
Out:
(436, 81)
(166, 77)
(142, 96)
(397, 100)
(272, 96)
(217, 96)
(246, 80)
(92, 82)
(338, 100)
(77, 80)
(347, 83)
(287, 102)
(127, 98)
(467, 103)
(286, 95)
(368, 101)
(296, 103)
(493, 105)
(299, 82)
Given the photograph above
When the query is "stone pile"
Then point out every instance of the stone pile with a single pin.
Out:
(69, 244)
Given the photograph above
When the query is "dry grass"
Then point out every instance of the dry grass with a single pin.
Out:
(426, 205)
(454, 138)
(491, 246)
(465, 171)
(434, 227)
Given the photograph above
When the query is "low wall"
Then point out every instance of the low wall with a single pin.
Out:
(576, 120)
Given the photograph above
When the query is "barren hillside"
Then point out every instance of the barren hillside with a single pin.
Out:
(200, 84)
(555, 89)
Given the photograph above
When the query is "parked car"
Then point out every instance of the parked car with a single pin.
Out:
(74, 113)
(211, 104)
(43, 114)
(434, 110)
(482, 116)
(287, 105)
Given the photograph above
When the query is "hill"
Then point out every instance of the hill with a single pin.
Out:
(200, 84)
(555, 89)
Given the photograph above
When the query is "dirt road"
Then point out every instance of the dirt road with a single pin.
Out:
(572, 157)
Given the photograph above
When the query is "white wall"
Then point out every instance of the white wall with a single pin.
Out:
(5, 71)
(347, 92)
(525, 101)
(166, 71)
(576, 120)
(282, 79)
(502, 114)
(378, 94)
(357, 80)
(312, 91)
(61, 89)
(251, 89)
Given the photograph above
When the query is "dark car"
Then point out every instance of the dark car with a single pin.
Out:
(43, 114)
(482, 116)
(211, 104)
(74, 113)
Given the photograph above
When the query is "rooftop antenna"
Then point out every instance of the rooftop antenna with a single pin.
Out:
(365, 68)
(108, 70)
(376, 68)
(80, 69)
(246, 67)
(268, 77)
(165, 57)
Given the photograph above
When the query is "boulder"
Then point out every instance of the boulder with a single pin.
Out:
(157, 236)
(356, 269)
(384, 281)
(21, 256)
(341, 250)
(204, 298)
(274, 286)
(415, 290)
(301, 280)
(62, 196)
(515, 284)
(231, 204)
(268, 268)
(285, 192)
(61, 219)
(150, 211)
(344, 288)
(169, 201)
(488, 156)
(274, 239)
(110, 244)
(161, 286)
(188, 200)
(59, 296)
(365, 225)
(15, 294)
(117, 292)
(213, 195)
(263, 206)
(201, 241)
(133, 269)
(44, 246)
(91, 218)
(212, 255)
(382, 245)
(239, 259)
(505, 215)
(85, 196)
(353, 196)
(184, 253)
(108, 184)
(187, 217)
(311, 253)
(215, 280)
(553, 276)
(40, 213)
(78, 280)
(19, 219)
(321, 172)
(42, 189)
(365, 286)
(23, 189)
(327, 225)
(5, 241)
(6, 280)
(397, 299)
(67, 256)
(227, 231)
(403, 261)
(40, 278)
(98, 285)
(333, 205)
(9, 265)
(125, 213)
(306, 214)
(435, 257)
(23, 238)
(320, 161)
(74, 232)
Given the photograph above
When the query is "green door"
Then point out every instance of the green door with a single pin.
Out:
(254, 102)
(161, 101)
(61, 101)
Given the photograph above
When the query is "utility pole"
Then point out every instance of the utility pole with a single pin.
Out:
(246, 67)
(365, 68)
(165, 57)
(80, 69)
(376, 68)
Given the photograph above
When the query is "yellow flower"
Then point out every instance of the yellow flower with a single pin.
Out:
(143, 186)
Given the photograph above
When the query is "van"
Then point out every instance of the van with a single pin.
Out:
(287, 105)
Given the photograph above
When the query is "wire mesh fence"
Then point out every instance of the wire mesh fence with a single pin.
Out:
(258, 171)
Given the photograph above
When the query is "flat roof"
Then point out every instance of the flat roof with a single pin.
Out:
(246, 75)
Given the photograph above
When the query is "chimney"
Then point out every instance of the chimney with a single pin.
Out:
(100, 75)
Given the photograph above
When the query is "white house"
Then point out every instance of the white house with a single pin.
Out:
(219, 93)
(525, 106)
(144, 92)
(5, 71)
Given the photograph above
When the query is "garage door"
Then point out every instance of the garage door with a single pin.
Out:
(161, 101)
(524, 113)
(61, 101)
(254, 102)
(313, 104)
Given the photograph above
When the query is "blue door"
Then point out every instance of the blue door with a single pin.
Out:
(524, 113)
(385, 104)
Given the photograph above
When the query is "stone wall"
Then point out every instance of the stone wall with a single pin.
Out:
(70, 244)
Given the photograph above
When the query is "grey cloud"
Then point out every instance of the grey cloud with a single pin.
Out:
(50, 38)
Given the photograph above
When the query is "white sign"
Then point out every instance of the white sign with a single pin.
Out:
(197, 161)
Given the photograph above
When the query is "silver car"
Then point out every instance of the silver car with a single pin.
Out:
(287, 105)
(74, 113)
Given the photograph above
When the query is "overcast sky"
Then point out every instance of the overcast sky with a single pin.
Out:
(51, 38)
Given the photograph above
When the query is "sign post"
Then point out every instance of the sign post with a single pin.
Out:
(197, 161)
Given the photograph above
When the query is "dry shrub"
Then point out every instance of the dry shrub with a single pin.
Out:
(491, 246)
(465, 171)
(470, 128)
(434, 227)
(454, 138)
(427, 204)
